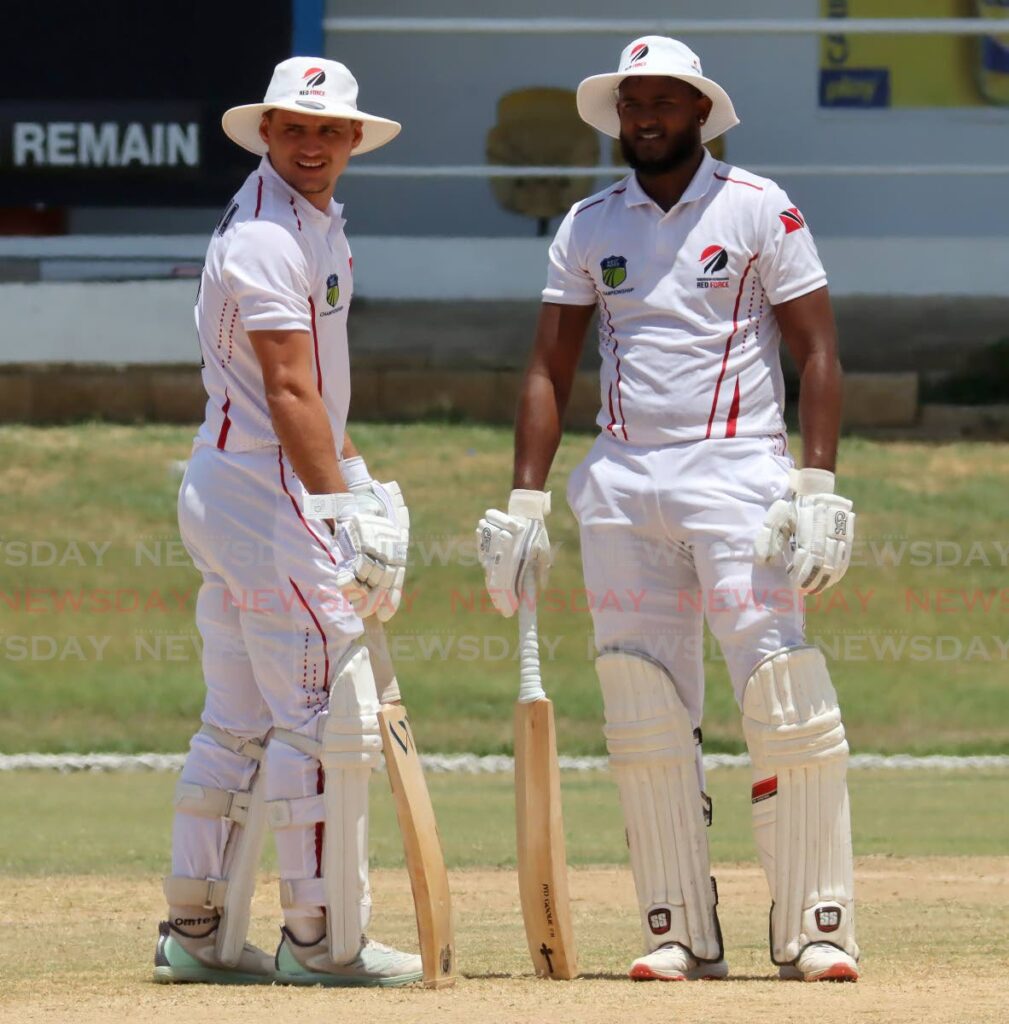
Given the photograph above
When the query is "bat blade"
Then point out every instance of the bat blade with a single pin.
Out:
(542, 861)
(425, 860)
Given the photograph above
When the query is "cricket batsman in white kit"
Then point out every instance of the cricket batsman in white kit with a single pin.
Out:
(690, 500)
(296, 544)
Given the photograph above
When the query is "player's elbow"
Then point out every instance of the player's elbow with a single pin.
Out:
(284, 390)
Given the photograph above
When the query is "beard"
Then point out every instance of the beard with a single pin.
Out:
(679, 151)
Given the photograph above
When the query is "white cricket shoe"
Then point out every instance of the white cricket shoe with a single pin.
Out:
(180, 957)
(375, 965)
(674, 962)
(820, 962)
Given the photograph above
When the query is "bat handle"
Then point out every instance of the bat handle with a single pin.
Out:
(381, 661)
(530, 683)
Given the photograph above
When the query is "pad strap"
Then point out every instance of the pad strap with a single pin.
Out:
(302, 892)
(298, 812)
(206, 802)
(306, 744)
(245, 746)
(209, 893)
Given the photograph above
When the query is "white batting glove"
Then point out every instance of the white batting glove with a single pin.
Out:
(373, 533)
(372, 497)
(814, 531)
(385, 501)
(511, 542)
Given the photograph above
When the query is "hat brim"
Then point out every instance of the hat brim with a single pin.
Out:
(597, 102)
(241, 124)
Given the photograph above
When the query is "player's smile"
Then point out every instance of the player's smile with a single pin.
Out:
(310, 152)
(660, 121)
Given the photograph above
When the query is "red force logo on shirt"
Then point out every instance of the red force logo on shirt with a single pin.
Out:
(715, 259)
(792, 219)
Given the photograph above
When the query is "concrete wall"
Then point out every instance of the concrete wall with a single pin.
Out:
(151, 323)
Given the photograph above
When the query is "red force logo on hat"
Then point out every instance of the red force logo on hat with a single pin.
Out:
(318, 79)
(637, 55)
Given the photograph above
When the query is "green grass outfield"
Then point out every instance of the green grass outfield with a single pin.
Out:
(99, 652)
(88, 823)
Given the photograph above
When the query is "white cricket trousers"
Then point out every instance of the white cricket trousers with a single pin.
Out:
(274, 626)
(667, 543)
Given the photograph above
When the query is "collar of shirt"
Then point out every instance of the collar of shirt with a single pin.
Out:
(331, 217)
(635, 195)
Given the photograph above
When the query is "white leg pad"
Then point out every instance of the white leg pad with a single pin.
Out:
(245, 810)
(801, 818)
(652, 755)
(348, 746)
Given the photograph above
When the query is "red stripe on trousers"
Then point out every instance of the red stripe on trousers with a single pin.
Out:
(304, 521)
(222, 437)
(321, 776)
(320, 787)
(728, 343)
(322, 633)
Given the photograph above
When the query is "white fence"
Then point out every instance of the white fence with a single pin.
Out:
(473, 764)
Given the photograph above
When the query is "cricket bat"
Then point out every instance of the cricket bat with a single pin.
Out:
(425, 861)
(542, 863)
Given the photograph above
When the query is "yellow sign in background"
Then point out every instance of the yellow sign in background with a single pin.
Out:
(913, 71)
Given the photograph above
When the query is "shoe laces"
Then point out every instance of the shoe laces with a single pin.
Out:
(380, 947)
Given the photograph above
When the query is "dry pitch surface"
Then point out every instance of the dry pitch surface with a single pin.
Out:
(932, 931)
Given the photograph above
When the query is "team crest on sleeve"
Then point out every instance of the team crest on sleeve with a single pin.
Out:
(792, 219)
(614, 270)
(332, 289)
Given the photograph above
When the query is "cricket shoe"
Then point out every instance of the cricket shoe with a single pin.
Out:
(820, 962)
(179, 957)
(375, 965)
(674, 962)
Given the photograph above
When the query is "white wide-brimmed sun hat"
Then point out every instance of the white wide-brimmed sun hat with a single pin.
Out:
(653, 55)
(308, 85)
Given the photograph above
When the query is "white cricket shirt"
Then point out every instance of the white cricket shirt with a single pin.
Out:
(688, 339)
(275, 263)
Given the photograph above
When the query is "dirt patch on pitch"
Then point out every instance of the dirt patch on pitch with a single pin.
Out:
(933, 944)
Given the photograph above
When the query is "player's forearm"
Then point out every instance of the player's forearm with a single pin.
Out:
(349, 449)
(820, 409)
(538, 428)
(302, 425)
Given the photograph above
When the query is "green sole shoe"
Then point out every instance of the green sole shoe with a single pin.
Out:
(174, 964)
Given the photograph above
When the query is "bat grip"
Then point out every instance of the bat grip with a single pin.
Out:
(530, 683)
(381, 661)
